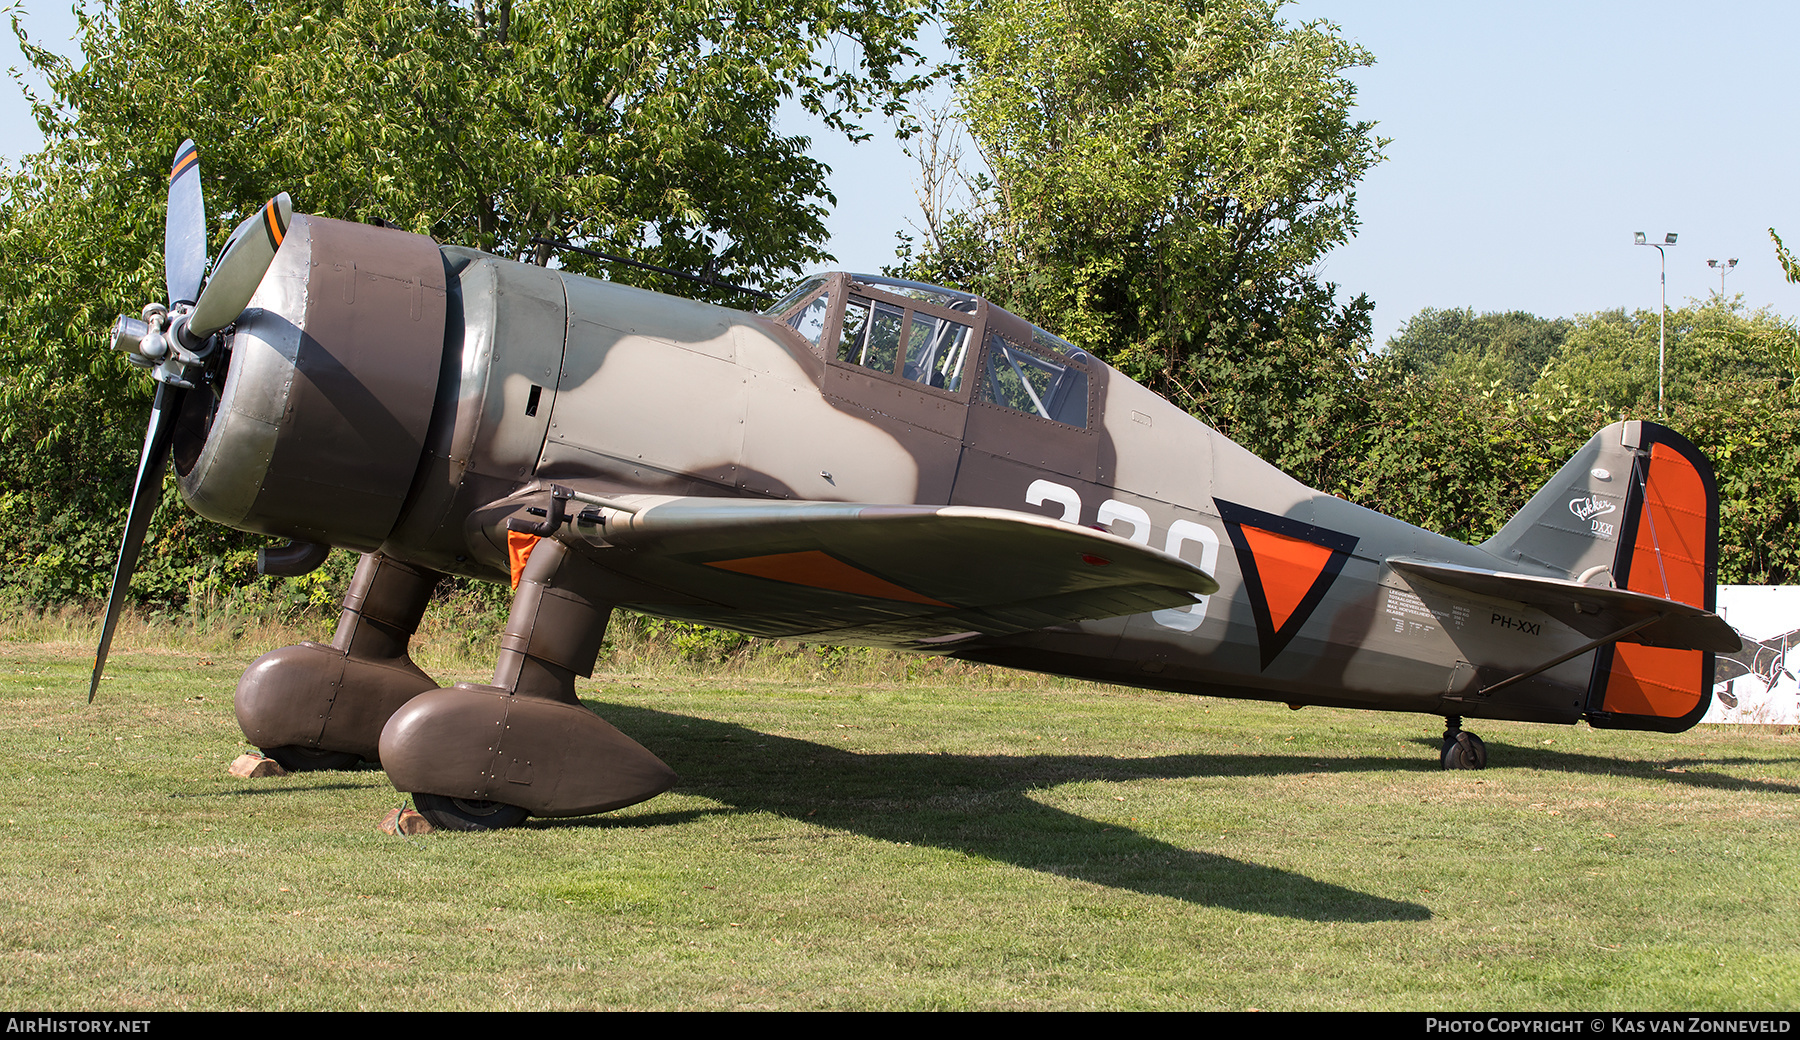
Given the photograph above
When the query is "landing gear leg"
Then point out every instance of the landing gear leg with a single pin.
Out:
(483, 757)
(312, 706)
(1462, 749)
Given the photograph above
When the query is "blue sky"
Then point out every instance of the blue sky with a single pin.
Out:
(1529, 141)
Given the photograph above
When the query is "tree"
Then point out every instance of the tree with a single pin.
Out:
(1460, 456)
(1450, 456)
(1511, 347)
(1160, 178)
(1733, 388)
(1608, 359)
(639, 128)
(1789, 266)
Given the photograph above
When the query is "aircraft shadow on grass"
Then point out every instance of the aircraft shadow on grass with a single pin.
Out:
(981, 805)
(255, 789)
(1527, 756)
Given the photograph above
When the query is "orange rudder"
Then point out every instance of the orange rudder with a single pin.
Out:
(1668, 547)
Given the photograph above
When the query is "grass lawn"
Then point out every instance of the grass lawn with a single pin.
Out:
(932, 843)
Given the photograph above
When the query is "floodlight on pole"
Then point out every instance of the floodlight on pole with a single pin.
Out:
(1723, 266)
(1662, 332)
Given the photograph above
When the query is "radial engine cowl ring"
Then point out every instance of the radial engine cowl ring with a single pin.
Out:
(333, 371)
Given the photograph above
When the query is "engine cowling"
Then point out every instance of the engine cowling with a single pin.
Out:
(320, 423)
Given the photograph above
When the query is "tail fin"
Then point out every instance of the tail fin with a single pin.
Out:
(1636, 508)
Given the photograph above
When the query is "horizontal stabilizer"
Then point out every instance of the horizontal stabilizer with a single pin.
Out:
(898, 575)
(1594, 611)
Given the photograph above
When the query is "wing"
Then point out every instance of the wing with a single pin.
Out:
(904, 576)
(1593, 611)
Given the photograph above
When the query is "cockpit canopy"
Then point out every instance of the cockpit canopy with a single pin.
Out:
(927, 335)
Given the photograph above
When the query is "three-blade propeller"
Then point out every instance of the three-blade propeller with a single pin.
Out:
(176, 341)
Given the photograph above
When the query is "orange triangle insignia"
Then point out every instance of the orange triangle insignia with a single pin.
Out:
(1288, 565)
(1288, 568)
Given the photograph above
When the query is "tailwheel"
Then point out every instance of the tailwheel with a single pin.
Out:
(296, 758)
(463, 814)
(1462, 749)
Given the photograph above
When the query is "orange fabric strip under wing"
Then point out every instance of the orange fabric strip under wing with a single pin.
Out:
(820, 570)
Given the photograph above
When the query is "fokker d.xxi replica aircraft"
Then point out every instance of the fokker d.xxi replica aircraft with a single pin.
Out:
(868, 461)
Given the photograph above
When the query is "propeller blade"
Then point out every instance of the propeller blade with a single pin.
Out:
(242, 263)
(184, 232)
(144, 497)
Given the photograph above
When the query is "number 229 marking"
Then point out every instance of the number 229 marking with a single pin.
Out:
(1112, 512)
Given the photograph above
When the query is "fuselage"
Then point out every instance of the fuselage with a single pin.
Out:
(853, 389)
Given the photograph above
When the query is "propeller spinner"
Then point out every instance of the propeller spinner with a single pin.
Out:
(175, 342)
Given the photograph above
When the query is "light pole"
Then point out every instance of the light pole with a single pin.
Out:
(1662, 333)
(1723, 266)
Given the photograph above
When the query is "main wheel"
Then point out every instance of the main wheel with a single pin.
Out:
(462, 814)
(1464, 751)
(297, 759)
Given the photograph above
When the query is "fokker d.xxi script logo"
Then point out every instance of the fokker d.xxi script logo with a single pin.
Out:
(1588, 507)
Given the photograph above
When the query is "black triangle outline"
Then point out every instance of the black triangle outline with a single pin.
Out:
(1271, 641)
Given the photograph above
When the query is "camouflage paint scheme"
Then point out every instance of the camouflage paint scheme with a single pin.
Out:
(995, 495)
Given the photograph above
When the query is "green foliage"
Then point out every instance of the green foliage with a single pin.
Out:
(1459, 455)
(1161, 176)
(642, 128)
(639, 129)
(1752, 434)
(1609, 359)
(688, 642)
(1789, 265)
(1466, 348)
(1295, 400)
(1453, 458)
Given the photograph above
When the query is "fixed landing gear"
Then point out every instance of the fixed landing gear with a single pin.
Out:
(312, 706)
(475, 757)
(1462, 749)
(462, 814)
(524, 745)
